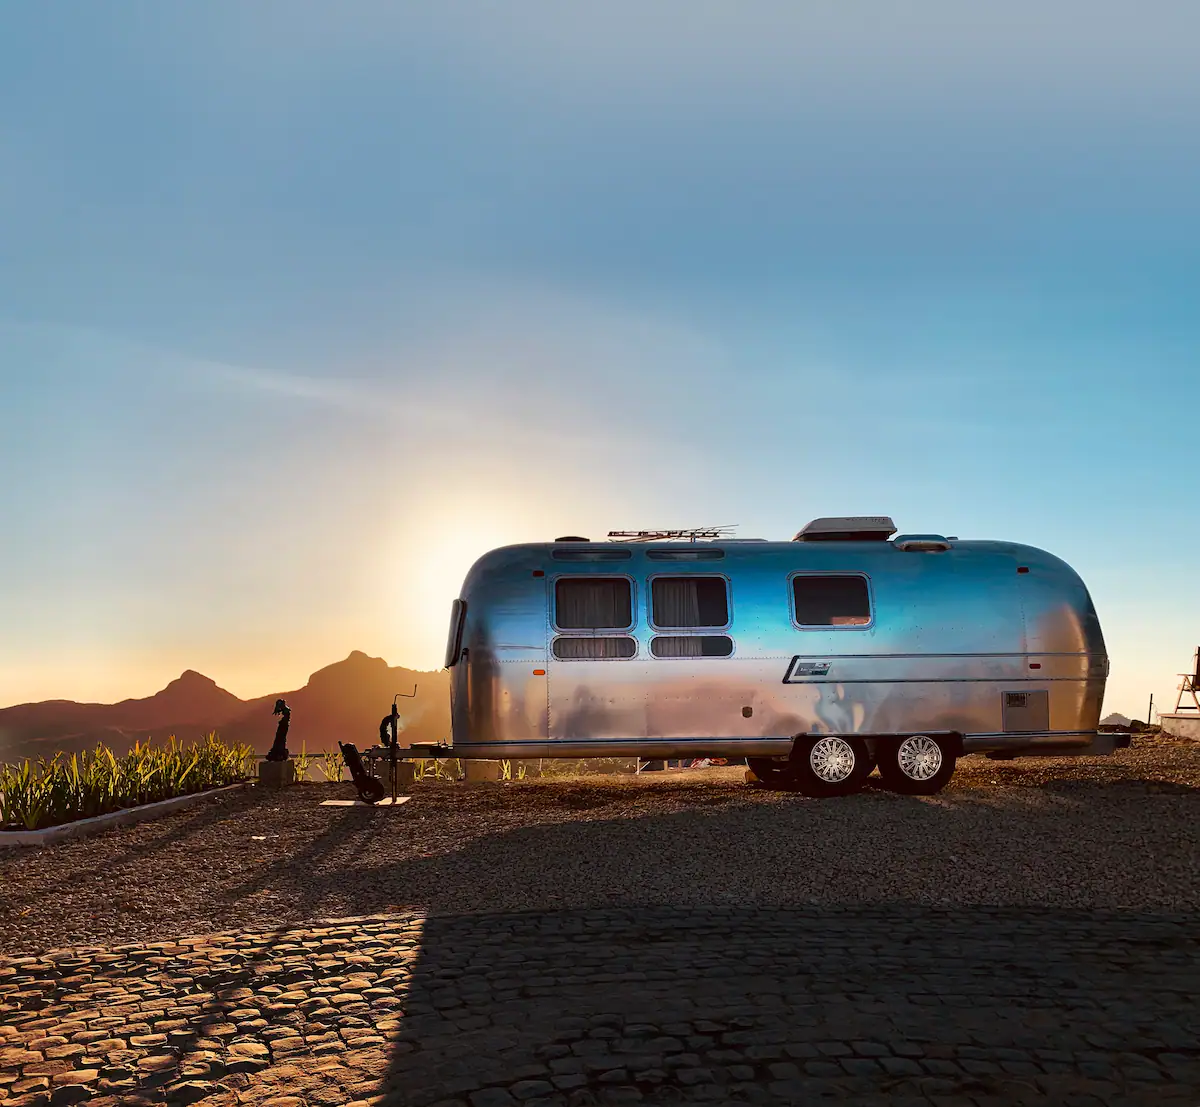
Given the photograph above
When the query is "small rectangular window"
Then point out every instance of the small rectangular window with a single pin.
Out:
(692, 645)
(458, 613)
(831, 601)
(593, 603)
(591, 555)
(702, 553)
(690, 602)
(576, 649)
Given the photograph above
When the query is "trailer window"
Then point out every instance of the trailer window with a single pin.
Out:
(458, 613)
(580, 649)
(593, 603)
(692, 645)
(692, 601)
(831, 601)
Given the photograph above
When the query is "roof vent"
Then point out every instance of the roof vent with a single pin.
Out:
(571, 538)
(927, 543)
(853, 528)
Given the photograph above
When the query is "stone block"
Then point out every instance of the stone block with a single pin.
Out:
(477, 771)
(276, 774)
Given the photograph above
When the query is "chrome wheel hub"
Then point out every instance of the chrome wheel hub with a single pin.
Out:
(832, 759)
(919, 757)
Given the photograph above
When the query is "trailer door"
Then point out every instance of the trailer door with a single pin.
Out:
(597, 678)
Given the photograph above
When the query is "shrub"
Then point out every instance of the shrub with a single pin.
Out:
(83, 785)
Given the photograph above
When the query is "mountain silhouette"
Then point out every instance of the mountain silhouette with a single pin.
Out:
(341, 702)
(345, 702)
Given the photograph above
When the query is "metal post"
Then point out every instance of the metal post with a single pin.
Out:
(1150, 710)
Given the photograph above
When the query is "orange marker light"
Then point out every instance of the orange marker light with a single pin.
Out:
(539, 672)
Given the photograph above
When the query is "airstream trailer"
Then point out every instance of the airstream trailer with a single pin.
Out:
(815, 659)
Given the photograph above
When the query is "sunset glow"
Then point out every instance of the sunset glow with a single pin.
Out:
(297, 321)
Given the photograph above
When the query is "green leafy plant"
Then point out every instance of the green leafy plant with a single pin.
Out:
(302, 760)
(513, 770)
(426, 768)
(84, 785)
(332, 765)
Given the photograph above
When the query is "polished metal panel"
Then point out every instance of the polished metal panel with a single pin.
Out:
(950, 631)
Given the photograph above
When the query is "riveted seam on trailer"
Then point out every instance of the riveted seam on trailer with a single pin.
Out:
(878, 656)
(943, 680)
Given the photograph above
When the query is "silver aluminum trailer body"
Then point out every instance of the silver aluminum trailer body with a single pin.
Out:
(993, 646)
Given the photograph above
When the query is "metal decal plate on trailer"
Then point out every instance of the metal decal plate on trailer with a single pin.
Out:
(801, 667)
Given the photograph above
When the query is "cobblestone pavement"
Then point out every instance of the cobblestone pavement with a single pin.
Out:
(878, 1005)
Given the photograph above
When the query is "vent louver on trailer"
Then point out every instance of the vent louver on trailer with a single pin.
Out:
(921, 543)
(851, 528)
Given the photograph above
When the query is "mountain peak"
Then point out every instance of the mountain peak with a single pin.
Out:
(357, 663)
(189, 678)
(191, 696)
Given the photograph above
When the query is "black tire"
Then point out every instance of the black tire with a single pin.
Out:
(771, 771)
(371, 790)
(825, 765)
(919, 765)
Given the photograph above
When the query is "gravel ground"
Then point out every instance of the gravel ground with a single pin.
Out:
(1102, 833)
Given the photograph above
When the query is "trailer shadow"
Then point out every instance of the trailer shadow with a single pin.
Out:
(752, 939)
(752, 947)
(745, 1003)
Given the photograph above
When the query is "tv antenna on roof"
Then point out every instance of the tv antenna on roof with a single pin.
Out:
(686, 534)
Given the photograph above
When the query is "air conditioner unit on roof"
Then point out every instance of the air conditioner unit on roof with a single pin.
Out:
(851, 528)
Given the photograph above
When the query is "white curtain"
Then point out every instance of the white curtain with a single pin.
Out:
(676, 602)
(679, 646)
(593, 648)
(593, 603)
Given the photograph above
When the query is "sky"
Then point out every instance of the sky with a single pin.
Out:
(305, 306)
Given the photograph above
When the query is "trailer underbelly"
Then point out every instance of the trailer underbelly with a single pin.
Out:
(1046, 743)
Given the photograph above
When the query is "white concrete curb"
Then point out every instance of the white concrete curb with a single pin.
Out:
(83, 827)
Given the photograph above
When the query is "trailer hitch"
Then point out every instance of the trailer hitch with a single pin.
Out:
(370, 788)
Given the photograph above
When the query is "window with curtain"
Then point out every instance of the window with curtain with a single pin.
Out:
(603, 648)
(831, 601)
(692, 601)
(692, 645)
(593, 603)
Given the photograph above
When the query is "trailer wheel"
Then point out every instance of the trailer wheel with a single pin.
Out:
(918, 766)
(829, 765)
(773, 772)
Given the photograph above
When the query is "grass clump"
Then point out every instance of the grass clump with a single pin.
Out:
(83, 785)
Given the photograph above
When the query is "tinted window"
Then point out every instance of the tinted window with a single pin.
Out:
(579, 648)
(593, 603)
(692, 645)
(591, 555)
(690, 602)
(458, 612)
(704, 553)
(831, 601)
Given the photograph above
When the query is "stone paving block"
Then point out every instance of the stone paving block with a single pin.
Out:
(876, 1012)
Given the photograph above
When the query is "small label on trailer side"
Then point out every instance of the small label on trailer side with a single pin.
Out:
(801, 667)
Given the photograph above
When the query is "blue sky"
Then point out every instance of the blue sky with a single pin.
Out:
(304, 306)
